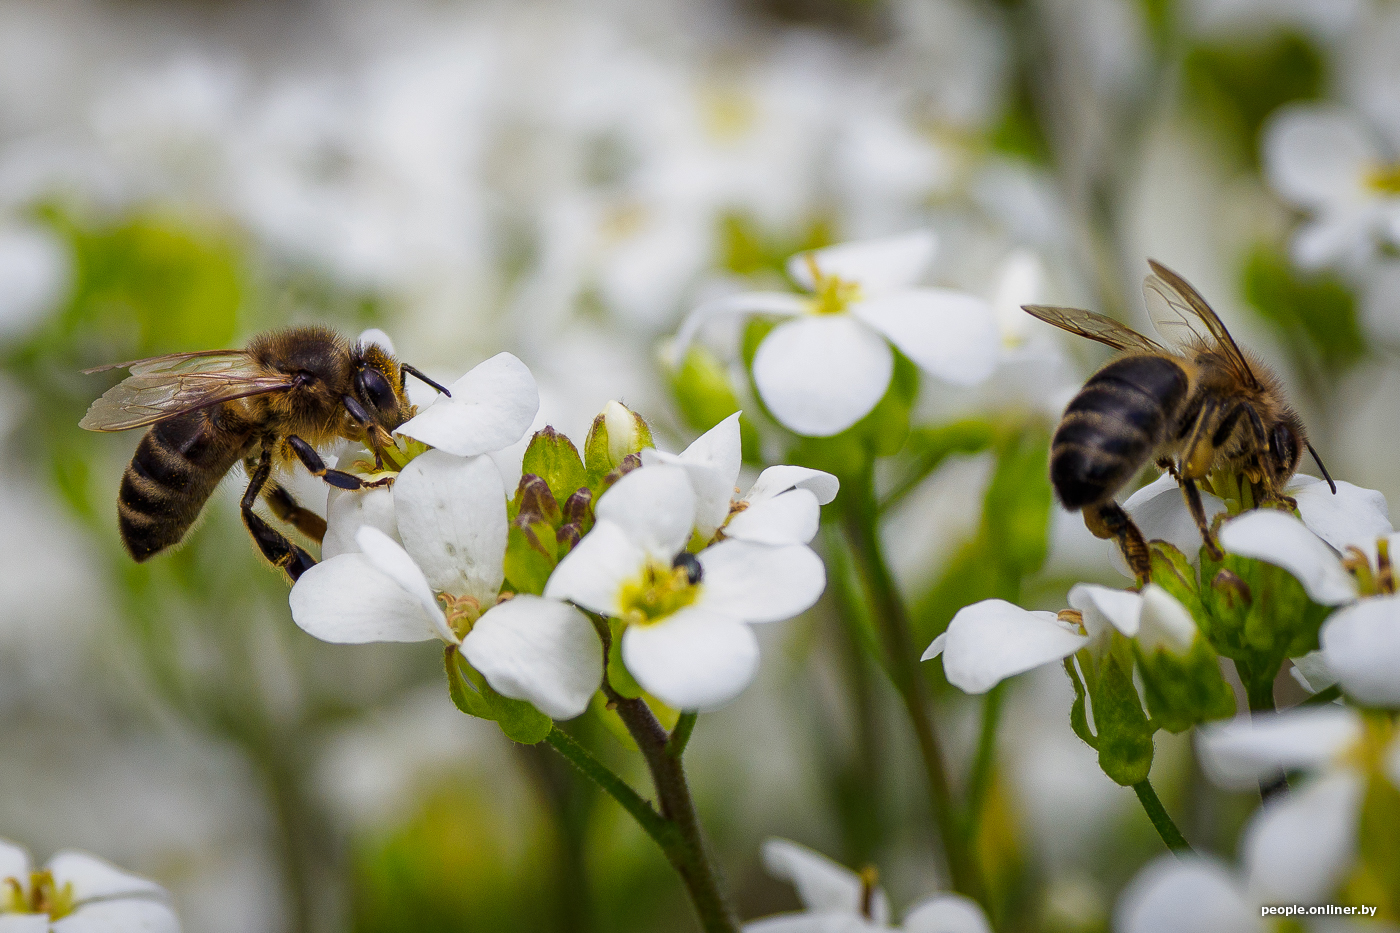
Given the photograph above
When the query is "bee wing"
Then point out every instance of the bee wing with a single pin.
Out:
(1183, 318)
(1095, 327)
(164, 386)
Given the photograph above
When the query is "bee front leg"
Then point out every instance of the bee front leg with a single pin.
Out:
(313, 462)
(274, 546)
(1198, 512)
(1110, 522)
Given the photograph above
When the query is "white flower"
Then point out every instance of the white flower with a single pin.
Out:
(491, 407)
(78, 893)
(1355, 515)
(450, 513)
(782, 507)
(827, 367)
(1322, 159)
(686, 642)
(1360, 642)
(840, 901)
(992, 640)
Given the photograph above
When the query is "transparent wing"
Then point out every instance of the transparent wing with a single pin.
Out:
(164, 386)
(1095, 327)
(1184, 319)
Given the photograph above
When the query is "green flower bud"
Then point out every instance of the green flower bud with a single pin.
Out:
(616, 432)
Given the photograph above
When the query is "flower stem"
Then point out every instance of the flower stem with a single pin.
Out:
(1260, 691)
(615, 787)
(1161, 820)
(858, 516)
(983, 766)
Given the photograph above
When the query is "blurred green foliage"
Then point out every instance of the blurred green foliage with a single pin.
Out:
(705, 396)
(1316, 315)
(748, 250)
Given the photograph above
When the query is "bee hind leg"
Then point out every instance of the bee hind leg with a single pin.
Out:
(273, 544)
(1110, 522)
(286, 508)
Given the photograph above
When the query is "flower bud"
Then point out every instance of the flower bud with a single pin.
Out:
(616, 432)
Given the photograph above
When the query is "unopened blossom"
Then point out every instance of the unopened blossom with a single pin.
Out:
(443, 581)
(78, 893)
(782, 507)
(686, 639)
(826, 367)
(837, 900)
(1323, 159)
(992, 640)
(1360, 642)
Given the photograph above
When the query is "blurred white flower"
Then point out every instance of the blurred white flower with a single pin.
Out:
(825, 369)
(1324, 160)
(78, 893)
(840, 901)
(34, 271)
(1360, 642)
(992, 640)
(443, 581)
(782, 507)
(686, 640)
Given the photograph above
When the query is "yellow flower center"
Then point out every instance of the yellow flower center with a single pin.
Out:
(657, 592)
(1384, 178)
(830, 294)
(1379, 581)
(1369, 754)
(45, 896)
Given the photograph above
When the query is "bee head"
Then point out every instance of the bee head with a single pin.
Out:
(378, 387)
(1286, 441)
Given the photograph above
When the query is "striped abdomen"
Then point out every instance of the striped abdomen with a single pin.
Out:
(176, 467)
(1112, 427)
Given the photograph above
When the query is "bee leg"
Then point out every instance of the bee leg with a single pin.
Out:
(274, 546)
(1198, 512)
(1109, 521)
(286, 508)
(1168, 465)
(313, 462)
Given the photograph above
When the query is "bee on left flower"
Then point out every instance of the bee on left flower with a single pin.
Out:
(290, 392)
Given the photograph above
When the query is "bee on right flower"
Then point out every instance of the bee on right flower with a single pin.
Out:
(1192, 407)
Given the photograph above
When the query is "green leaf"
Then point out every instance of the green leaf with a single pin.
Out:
(554, 458)
(1124, 734)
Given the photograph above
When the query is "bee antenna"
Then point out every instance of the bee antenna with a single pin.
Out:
(416, 374)
(1325, 475)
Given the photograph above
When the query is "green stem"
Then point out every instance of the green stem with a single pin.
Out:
(1161, 820)
(615, 787)
(858, 513)
(680, 736)
(983, 765)
(1260, 691)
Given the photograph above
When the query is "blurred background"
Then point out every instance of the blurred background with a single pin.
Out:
(565, 180)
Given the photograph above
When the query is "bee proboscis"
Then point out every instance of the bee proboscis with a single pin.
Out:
(290, 392)
(1194, 407)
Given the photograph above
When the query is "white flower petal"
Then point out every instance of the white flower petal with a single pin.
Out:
(791, 518)
(782, 303)
(779, 479)
(1354, 516)
(951, 334)
(823, 886)
(1361, 646)
(539, 650)
(128, 916)
(693, 659)
(1160, 513)
(491, 407)
(1165, 622)
(990, 641)
(594, 571)
(760, 583)
(654, 506)
(25, 923)
(14, 863)
(820, 375)
(1280, 539)
(1298, 846)
(1240, 752)
(878, 265)
(376, 337)
(94, 878)
(946, 913)
(810, 922)
(452, 517)
(1335, 238)
(1316, 156)
(712, 462)
(389, 558)
(349, 510)
(1312, 672)
(1173, 895)
(347, 600)
(1105, 608)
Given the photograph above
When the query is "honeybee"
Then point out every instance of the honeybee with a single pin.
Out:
(288, 393)
(1202, 405)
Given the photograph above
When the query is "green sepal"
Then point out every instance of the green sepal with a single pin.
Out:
(471, 694)
(531, 552)
(1124, 734)
(535, 502)
(1183, 691)
(603, 453)
(1078, 719)
(1172, 571)
(706, 397)
(554, 458)
(618, 675)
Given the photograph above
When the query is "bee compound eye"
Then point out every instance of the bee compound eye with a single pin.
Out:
(374, 388)
(693, 570)
(1283, 444)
